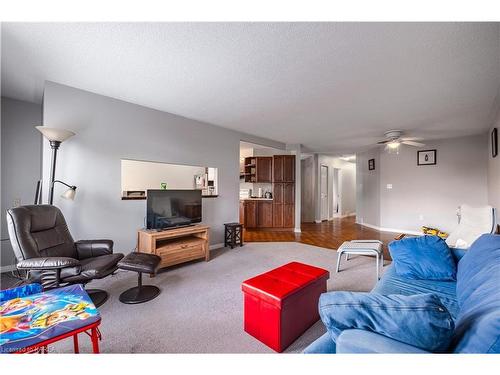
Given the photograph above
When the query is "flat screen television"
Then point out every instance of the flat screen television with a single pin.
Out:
(172, 208)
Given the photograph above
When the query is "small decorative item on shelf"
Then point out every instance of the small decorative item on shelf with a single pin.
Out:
(163, 186)
(135, 194)
(199, 181)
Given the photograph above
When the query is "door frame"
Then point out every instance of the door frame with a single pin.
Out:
(338, 190)
(327, 193)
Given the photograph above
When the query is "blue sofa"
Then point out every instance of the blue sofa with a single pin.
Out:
(473, 301)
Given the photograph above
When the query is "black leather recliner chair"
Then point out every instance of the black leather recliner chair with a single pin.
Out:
(44, 247)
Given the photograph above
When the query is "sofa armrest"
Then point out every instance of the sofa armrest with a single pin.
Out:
(93, 248)
(361, 341)
(47, 263)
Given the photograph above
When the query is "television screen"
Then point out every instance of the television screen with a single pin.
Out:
(172, 208)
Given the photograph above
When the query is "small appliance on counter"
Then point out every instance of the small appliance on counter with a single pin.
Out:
(268, 195)
(245, 193)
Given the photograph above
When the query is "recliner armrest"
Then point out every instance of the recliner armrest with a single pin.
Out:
(47, 263)
(93, 248)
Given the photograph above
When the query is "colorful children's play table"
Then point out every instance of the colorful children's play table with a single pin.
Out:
(30, 319)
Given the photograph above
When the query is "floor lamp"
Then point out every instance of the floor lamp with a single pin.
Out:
(56, 136)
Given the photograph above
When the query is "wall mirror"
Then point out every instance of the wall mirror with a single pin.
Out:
(138, 176)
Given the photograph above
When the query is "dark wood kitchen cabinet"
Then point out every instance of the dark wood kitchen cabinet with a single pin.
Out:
(256, 214)
(264, 214)
(242, 213)
(284, 168)
(283, 205)
(280, 212)
(258, 169)
(249, 214)
(288, 215)
(288, 193)
(264, 169)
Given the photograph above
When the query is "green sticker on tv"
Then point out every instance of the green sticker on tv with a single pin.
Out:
(163, 186)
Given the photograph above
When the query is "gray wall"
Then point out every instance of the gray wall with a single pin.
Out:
(368, 188)
(494, 173)
(422, 195)
(430, 195)
(109, 130)
(21, 161)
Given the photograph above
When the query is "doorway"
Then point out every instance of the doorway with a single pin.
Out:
(336, 193)
(324, 192)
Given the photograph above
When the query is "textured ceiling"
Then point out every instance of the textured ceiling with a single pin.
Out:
(334, 87)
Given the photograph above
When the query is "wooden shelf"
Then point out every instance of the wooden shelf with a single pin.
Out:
(183, 242)
(175, 246)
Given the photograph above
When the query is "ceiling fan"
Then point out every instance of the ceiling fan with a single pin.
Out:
(394, 139)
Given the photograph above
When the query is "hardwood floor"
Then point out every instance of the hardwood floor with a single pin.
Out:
(328, 234)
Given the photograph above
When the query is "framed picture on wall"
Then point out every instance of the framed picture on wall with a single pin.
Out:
(371, 164)
(494, 142)
(426, 157)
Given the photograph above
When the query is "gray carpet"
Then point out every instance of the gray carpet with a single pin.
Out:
(200, 309)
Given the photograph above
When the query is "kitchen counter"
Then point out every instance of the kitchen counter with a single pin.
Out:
(256, 199)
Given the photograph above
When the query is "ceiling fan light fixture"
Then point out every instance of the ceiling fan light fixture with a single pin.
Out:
(392, 147)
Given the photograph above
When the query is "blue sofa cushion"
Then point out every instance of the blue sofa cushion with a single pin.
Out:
(392, 283)
(478, 295)
(420, 320)
(423, 257)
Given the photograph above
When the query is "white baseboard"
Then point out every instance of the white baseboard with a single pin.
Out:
(392, 230)
(9, 268)
(318, 221)
(340, 216)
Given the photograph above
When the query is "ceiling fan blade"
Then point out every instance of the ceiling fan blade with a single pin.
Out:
(415, 144)
(412, 139)
(383, 142)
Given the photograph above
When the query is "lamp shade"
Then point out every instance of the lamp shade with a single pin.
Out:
(55, 134)
(69, 194)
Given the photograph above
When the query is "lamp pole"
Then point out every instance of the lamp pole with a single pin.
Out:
(54, 145)
(55, 136)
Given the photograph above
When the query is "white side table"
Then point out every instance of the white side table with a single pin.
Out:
(362, 247)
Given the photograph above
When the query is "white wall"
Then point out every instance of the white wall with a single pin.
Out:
(108, 130)
(423, 195)
(143, 175)
(21, 166)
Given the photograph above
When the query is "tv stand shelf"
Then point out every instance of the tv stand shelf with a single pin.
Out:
(175, 246)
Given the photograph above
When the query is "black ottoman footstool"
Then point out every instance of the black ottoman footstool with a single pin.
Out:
(140, 263)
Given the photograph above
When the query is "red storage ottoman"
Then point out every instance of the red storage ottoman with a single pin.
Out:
(280, 305)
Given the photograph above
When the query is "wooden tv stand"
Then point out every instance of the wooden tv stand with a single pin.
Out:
(175, 246)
